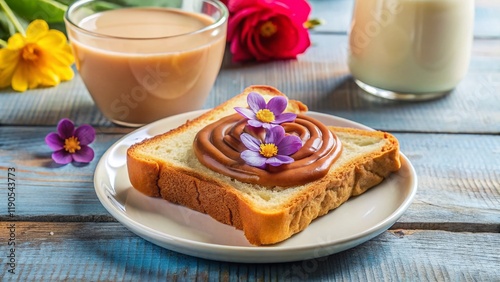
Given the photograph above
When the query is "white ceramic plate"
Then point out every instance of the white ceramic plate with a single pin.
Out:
(186, 231)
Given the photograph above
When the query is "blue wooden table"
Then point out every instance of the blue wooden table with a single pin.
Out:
(451, 232)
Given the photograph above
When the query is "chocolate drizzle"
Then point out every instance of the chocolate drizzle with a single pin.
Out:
(218, 147)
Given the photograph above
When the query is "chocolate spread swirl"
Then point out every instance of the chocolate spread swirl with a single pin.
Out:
(218, 147)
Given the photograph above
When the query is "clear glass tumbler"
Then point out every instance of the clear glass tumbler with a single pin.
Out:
(142, 63)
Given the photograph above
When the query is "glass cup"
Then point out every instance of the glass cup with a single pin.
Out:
(410, 49)
(142, 63)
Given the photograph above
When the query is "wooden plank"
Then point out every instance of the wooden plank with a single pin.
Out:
(458, 182)
(45, 188)
(46, 106)
(107, 251)
(320, 78)
(459, 179)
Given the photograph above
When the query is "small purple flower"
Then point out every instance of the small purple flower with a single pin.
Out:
(70, 144)
(275, 150)
(265, 115)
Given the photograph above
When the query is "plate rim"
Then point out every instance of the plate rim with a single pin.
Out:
(246, 254)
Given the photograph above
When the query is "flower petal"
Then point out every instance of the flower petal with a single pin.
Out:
(279, 160)
(52, 39)
(20, 78)
(250, 142)
(84, 155)
(233, 25)
(301, 9)
(5, 78)
(65, 74)
(66, 128)
(274, 135)
(62, 157)
(253, 158)
(47, 77)
(289, 145)
(16, 42)
(36, 29)
(256, 123)
(277, 105)
(8, 57)
(239, 51)
(32, 78)
(256, 102)
(62, 56)
(253, 43)
(8, 64)
(85, 134)
(285, 117)
(249, 114)
(54, 141)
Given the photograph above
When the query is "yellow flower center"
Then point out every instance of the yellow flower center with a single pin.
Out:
(268, 150)
(268, 29)
(31, 52)
(72, 144)
(265, 115)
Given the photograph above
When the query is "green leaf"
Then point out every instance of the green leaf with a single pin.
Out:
(133, 3)
(105, 5)
(59, 26)
(48, 10)
(6, 27)
(65, 2)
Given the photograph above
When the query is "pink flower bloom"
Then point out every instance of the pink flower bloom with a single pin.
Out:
(264, 30)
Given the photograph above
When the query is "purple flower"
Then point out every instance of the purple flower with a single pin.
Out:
(70, 144)
(275, 150)
(265, 115)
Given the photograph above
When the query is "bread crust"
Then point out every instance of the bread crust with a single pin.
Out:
(262, 226)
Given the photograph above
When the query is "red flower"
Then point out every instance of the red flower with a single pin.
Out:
(264, 30)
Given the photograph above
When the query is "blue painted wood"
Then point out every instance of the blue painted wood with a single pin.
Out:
(322, 81)
(455, 172)
(451, 231)
(108, 252)
(320, 78)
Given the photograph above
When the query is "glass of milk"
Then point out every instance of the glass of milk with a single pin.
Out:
(410, 49)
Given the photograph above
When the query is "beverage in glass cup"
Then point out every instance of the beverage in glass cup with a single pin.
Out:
(410, 49)
(141, 64)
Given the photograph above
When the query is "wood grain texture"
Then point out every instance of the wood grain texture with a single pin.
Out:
(451, 232)
(109, 252)
(458, 175)
(320, 78)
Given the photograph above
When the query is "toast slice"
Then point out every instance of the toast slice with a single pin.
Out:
(166, 166)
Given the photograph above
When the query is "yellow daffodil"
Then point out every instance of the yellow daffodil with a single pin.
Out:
(41, 58)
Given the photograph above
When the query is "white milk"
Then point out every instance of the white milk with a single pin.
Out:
(411, 46)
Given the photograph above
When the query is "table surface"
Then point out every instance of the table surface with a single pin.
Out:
(451, 231)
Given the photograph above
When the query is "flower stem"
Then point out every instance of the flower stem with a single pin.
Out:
(13, 19)
(3, 43)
